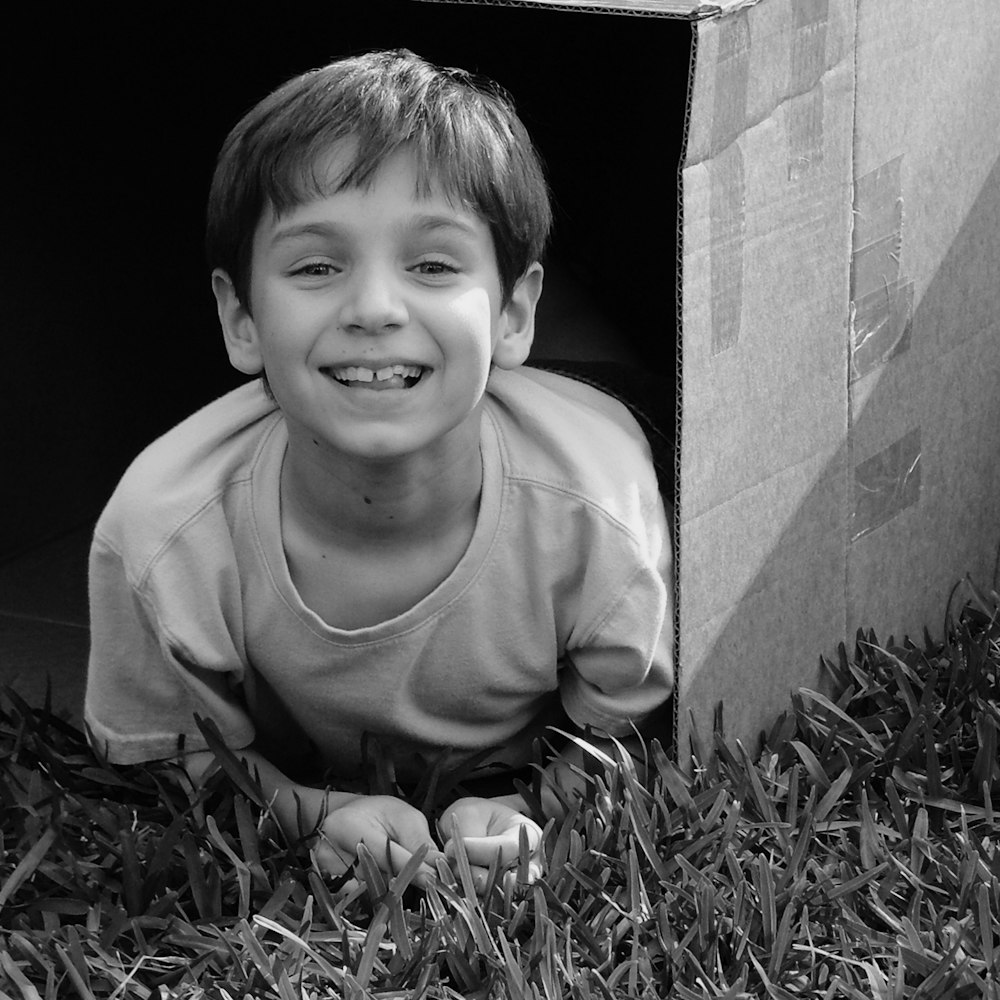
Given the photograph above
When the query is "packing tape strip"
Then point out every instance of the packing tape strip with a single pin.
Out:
(886, 484)
(728, 226)
(881, 324)
(881, 298)
(808, 65)
(727, 180)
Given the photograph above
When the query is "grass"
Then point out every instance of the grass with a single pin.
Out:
(854, 854)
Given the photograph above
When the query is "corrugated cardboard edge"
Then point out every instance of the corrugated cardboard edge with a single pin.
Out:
(686, 9)
(675, 539)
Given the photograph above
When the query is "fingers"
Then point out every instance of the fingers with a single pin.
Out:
(408, 833)
(408, 829)
(391, 861)
(393, 832)
(513, 877)
(398, 857)
(495, 834)
(389, 846)
(487, 827)
(481, 850)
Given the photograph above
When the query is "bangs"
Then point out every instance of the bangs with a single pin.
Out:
(324, 170)
(464, 153)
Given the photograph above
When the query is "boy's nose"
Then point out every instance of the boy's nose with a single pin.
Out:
(373, 302)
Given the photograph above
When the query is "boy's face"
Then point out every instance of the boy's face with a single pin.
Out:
(376, 314)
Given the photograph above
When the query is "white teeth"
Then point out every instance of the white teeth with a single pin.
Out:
(359, 374)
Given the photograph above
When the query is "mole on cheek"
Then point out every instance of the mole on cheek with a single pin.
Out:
(367, 499)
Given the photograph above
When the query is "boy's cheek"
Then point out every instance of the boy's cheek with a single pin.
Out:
(475, 306)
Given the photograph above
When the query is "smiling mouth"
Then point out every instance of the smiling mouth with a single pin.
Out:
(389, 377)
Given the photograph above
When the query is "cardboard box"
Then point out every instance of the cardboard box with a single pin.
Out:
(839, 354)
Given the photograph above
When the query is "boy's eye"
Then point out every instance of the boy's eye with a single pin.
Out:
(434, 268)
(314, 269)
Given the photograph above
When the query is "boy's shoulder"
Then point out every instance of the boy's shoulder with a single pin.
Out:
(190, 466)
(561, 432)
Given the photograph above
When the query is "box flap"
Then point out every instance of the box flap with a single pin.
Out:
(693, 9)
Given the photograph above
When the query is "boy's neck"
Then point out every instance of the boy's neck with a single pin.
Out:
(351, 502)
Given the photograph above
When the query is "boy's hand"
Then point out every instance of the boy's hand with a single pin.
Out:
(375, 821)
(488, 828)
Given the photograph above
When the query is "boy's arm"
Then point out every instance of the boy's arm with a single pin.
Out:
(299, 809)
(137, 676)
(146, 678)
(391, 829)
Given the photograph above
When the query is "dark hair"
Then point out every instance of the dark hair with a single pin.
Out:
(462, 130)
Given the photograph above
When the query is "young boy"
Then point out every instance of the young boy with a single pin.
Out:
(397, 530)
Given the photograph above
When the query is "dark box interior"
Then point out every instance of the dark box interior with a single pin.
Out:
(113, 121)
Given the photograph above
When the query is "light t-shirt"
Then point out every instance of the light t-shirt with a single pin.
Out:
(560, 600)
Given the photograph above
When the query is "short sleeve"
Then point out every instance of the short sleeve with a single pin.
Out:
(143, 687)
(625, 669)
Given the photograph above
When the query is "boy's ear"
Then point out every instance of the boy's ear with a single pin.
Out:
(238, 329)
(517, 321)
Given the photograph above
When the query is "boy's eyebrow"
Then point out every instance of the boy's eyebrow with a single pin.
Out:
(323, 229)
(418, 223)
(432, 223)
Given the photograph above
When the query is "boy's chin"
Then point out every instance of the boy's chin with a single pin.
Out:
(398, 445)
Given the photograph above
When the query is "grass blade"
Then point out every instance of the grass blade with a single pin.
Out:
(27, 865)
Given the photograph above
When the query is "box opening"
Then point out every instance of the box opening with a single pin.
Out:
(118, 132)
